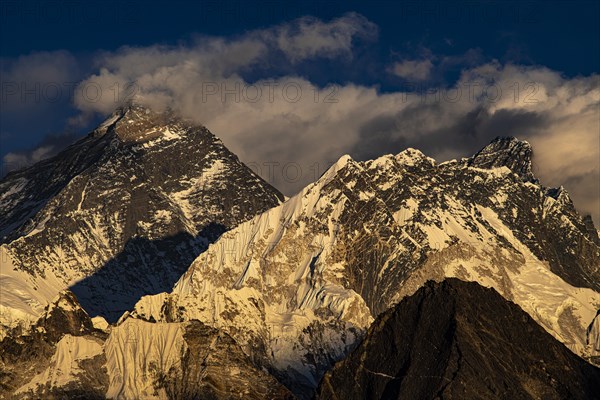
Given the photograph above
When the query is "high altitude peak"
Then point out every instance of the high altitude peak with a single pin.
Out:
(561, 196)
(410, 152)
(341, 163)
(138, 109)
(506, 152)
(412, 156)
(134, 122)
(343, 160)
(460, 331)
(135, 110)
(509, 142)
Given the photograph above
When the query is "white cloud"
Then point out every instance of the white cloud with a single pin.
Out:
(50, 146)
(20, 160)
(558, 115)
(413, 70)
(309, 37)
(39, 79)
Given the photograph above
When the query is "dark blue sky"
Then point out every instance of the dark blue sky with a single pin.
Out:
(563, 35)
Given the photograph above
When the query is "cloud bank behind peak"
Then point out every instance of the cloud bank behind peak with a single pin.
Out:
(290, 129)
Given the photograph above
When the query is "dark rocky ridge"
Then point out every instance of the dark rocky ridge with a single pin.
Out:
(458, 340)
(589, 225)
(508, 152)
(215, 367)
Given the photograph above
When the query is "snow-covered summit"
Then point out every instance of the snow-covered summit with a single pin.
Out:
(413, 157)
(135, 123)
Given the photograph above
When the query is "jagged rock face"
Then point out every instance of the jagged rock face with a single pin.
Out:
(180, 361)
(589, 225)
(458, 340)
(64, 316)
(212, 365)
(593, 339)
(123, 212)
(297, 286)
(74, 369)
(57, 357)
(24, 193)
(508, 152)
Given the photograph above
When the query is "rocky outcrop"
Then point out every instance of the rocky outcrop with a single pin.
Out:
(213, 366)
(458, 340)
(506, 152)
(37, 361)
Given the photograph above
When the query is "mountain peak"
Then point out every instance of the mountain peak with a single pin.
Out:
(143, 186)
(134, 122)
(412, 157)
(341, 163)
(133, 108)
(506, 152)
